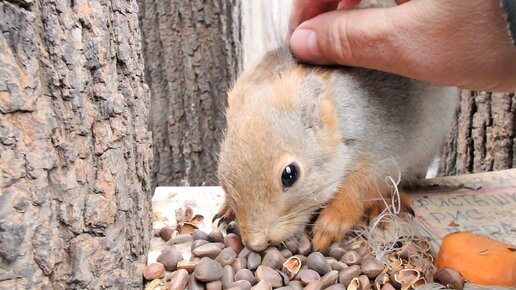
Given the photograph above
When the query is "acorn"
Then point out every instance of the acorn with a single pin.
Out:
(269, 274)
(347, 275)
(317, 262)
(291, 266)
(154, 271)
(359, 283)
(169, 258)
(381, 280)
(187, 265)
(449, 278)
(351, 258)
(405, 277)
(166, 233)
(187, 227)
(372, 267)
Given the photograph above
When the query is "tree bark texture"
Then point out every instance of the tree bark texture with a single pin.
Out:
(192, 55)
(74, 146)
(483, 136)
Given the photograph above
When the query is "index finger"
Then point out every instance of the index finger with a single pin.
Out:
(303, 10)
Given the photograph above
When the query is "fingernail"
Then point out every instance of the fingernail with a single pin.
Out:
(304, 45)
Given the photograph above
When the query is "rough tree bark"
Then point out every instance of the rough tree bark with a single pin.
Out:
(483, 137)
(192, 54)
(74, 146)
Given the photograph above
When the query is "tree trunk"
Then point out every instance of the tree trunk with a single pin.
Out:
(74, 146)
(192, 55)
(483, 136)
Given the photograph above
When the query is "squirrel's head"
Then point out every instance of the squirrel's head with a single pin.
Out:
(282, 155)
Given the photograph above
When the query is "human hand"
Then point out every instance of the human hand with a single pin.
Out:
(457, 43)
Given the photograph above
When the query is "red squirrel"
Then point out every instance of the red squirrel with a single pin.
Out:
(302, 139)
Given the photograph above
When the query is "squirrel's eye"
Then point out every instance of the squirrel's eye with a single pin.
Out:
(289, 175)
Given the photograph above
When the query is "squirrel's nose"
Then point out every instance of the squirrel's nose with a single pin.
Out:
(256, 245)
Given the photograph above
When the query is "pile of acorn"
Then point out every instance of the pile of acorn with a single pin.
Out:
(220, 261)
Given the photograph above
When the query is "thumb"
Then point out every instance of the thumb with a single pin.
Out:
(360, 37)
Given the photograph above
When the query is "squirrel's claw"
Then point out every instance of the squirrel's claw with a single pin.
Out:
(225, 214)
(330, 226)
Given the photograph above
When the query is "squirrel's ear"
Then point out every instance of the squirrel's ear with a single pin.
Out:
(273, 66)
(320, 110)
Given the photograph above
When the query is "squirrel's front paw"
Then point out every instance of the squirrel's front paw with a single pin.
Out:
(225, 214)
(331, 225)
